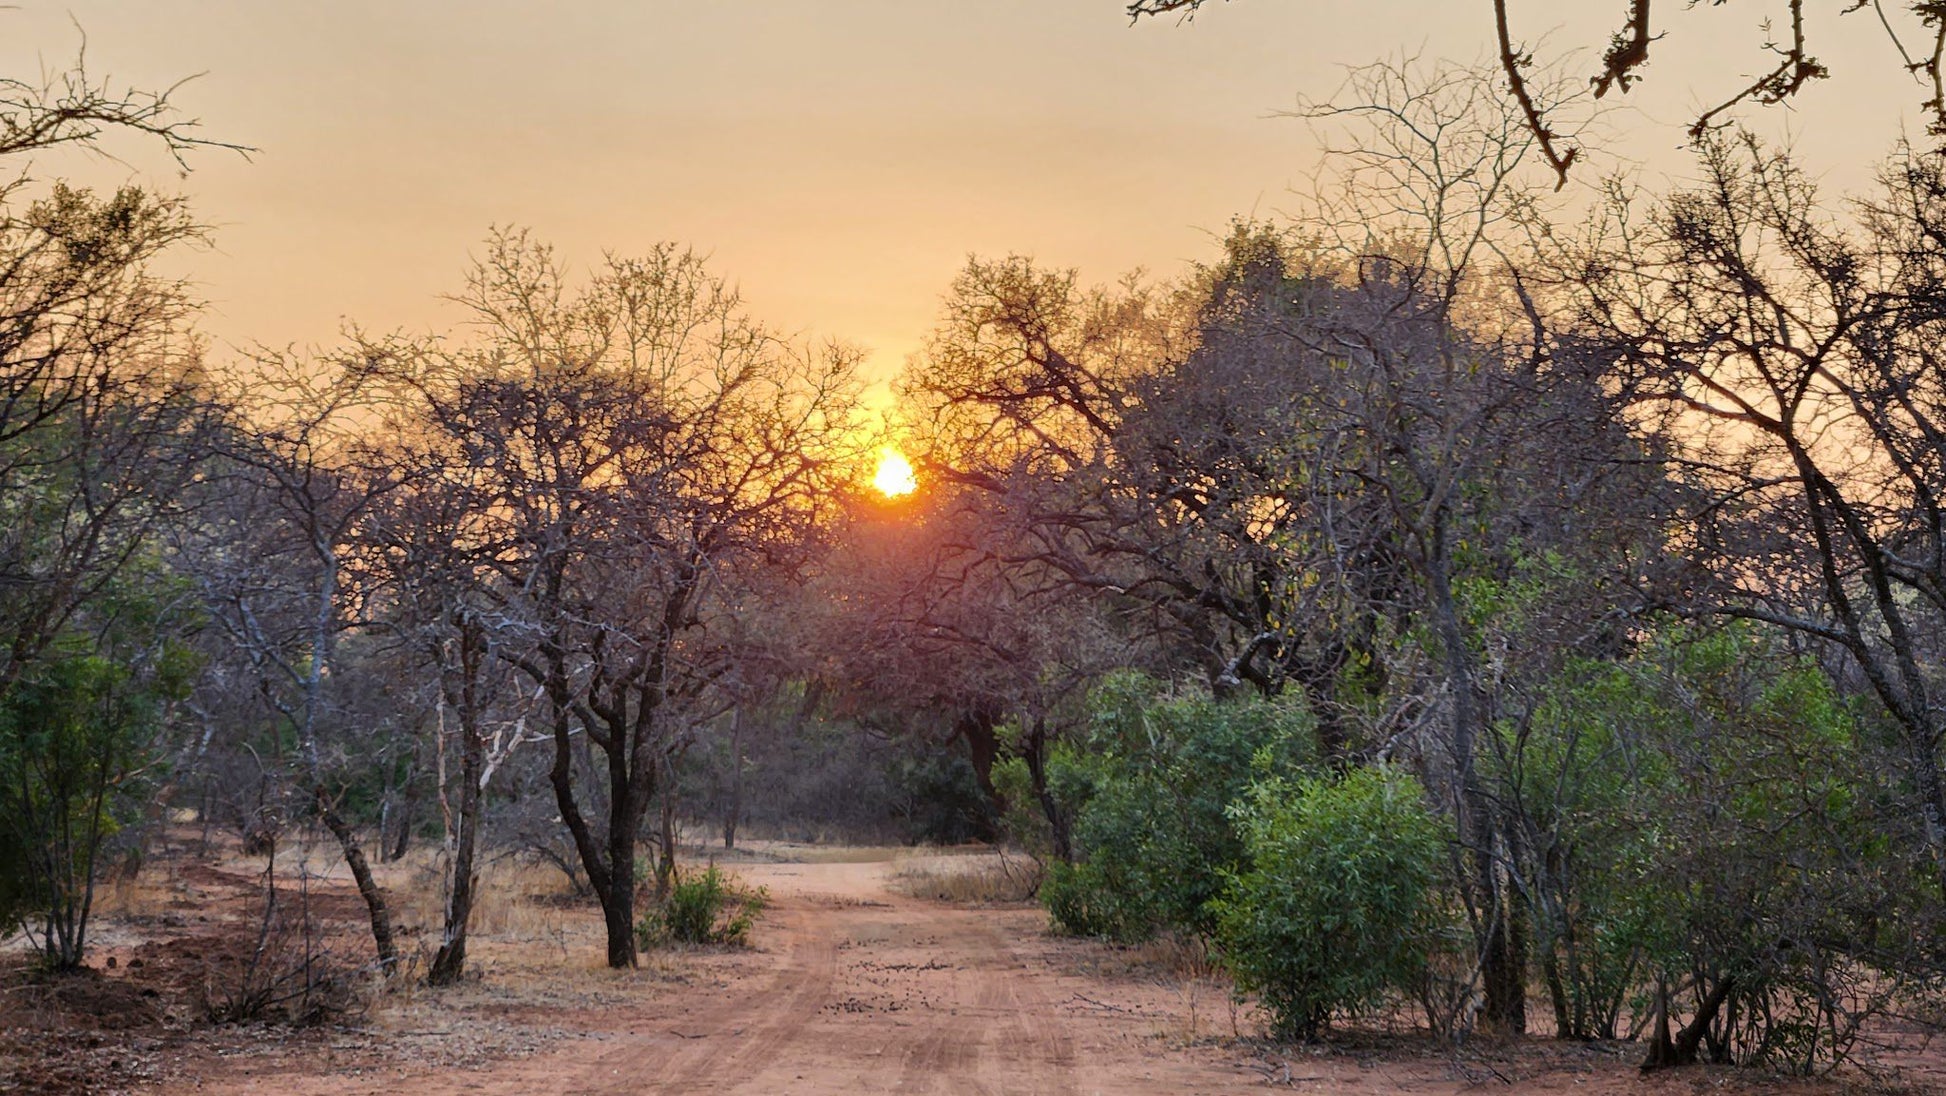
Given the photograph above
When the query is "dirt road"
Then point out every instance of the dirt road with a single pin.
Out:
(850, 989)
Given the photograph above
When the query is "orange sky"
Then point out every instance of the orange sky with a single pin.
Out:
(838, 158)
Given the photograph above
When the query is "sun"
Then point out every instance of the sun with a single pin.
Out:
(894, 475)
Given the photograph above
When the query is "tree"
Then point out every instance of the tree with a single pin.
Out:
(429, 570)
(1628, 52)
(1713, 827)
(1351, 439)
(654, 460)
(271, 553)
(101, 413)
(1121, 459)
(100, 401)
(1791, 365)
(77, 730)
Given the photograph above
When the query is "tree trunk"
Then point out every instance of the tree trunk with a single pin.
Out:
(735, 812)
(449, 963)
(1503, 966)
(631, 785)
(618, 898)
(982, 749)
(408, 813)
(1059, 825)
(1922, 748)
(665, 868)
(361, 873)
(1681, 1050)
(1501, 944)
(1566, 1019)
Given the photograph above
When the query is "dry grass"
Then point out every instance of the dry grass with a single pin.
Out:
(131, 895)
(1184, 957)
(1207, 1006)
(514, 898)
(528, 931)
(983, 879)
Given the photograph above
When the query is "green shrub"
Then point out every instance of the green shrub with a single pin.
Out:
(708, 908)
(1708, 811)
(939, 802)
(1072, 777)
(76, 730)
(1086, 902)
(1338, 906)
(1152, 840)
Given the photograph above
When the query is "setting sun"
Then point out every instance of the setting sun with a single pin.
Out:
(894, 475)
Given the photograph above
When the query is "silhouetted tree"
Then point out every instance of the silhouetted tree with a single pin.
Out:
(1628, 52)
(651, 457)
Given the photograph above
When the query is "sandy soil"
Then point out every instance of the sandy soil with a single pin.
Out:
(852, 988)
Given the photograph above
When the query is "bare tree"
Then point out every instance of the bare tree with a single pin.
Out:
(1071, 409)
(431, 575)
(1792, 365)
(654, 457)
(272, 552)
(70, 107)
(1923, 26)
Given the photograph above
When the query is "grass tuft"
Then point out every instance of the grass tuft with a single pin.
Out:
(980, 880)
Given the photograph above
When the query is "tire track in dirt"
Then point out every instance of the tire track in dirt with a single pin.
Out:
(759, 1029)
(1007, 1039)
(739, 1035)
(851, 990)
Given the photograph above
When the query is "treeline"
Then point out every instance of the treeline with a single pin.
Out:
(1543, 612)
(1435, 602)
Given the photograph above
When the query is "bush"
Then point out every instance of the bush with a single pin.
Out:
(290, 975)
(1339, 905)
(710, 908)
(75, 738)
(1709, 813)
(939, 801)
(1154, 779)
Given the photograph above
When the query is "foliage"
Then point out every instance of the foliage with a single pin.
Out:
(1707, 812)
(1814, 342)
(1339, 904)
(1150, 789)
(710, 908)
(76, 733)
(938, 800)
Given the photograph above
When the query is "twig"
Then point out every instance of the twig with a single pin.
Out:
(1102, 1005)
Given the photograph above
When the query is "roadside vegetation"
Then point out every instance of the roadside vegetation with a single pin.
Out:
(1433, 603)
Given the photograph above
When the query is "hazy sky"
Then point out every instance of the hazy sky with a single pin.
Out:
(837, 158)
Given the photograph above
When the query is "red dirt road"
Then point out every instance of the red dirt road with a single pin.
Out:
(851, 989)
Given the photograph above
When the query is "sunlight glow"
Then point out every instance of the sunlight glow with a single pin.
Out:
(894, 475)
